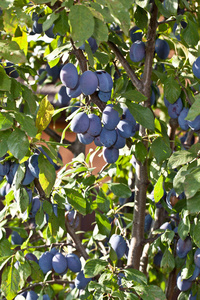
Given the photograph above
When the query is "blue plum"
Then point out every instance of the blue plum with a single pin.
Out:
(125, 128)
(11, 70)
(135, 34)
(31, 295)
(56, 166)
(181, 119)
(147, 223)
(197, 257)
(37, 27)
(76, 91)
(16, 239)
(45, 261)
(92, 43)
(195, 124)
(80, 123)
(108, 137)
(73, 262)
(183, 247)
(196, 68)
(120, 141)
(41, 76)
(195, 274)
(59, 263)
(88, 82)
(162, 48)
(95, 126)
(81, 281)
(177, 28)
(97, 141)
(137, 51)
(110, 117)
(35, 206)
(5, 189)
(63, 97)
(104, 96)
(183, 284)
(33, 165)
(110, 155)
(4, 167)
(105, 82)
(118, 244)
(157, 258)
(49, 32)
(128, 116)
(175, 109)
(69, 75)
(31, 256)
(191, 297)
(53, 72)
(28, 176)
(85, 138)
(46, 297)
(166, 226)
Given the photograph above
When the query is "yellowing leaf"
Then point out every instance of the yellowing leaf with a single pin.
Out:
(44, 114)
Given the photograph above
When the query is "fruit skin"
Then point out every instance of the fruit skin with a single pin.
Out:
(195, 274)
(31, 295)
(95, 126)
(80, 123)
(28, 176)
(63, 97)
(108, 137)
(105, 82)
(118, 244)
(110, 117)
(195, 124)
(31, 256)
(93, 45)
(10, 70)
(120, 141)
(59, 263)
(33, 165)
(125, 128)
(69, 75)
(175, 109)
(183, 284)
(110, 155)
(54, 72)
(196, 68)
(183, 247)
(162, 48)
(45, 261)
(73, 262)
(81, 281)
(85, 138)
(135, 36)
(192, 297)
(104, 96)
(137, 51)
(16, 239)
(88, 82)
(197, 257)
(181, 119)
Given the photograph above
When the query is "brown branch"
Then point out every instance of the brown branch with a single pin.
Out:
(136, 82)
(76, 240)
(172, 134)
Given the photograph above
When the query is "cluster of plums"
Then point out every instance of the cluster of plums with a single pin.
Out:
(137, 49)
(112, 135)
(176, 110)
(87, 83)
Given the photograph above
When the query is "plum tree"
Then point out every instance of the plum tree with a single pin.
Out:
(183, 284)
(45, 261)
(69, 75)
(88, 82)
(80, 123)
(118, 244)
(73, 262)
(105, 82)
(135, 34)
(110, 117)
(110, 154)
(95, 126)
(63, 97)
(59, 263)
(108, 137)
(81, 281)
(183, 247)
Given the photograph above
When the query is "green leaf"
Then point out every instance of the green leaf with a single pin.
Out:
(171, 6)
(82, 23)
(103, 224)
(120, 189)
(160, 150)
(6, 121)
(190, 33)
(194, 110)
(47, 206)
(94, 266)
(36, 273)
(27, 123)
(5, 82)
(10, 282)
(143, 115)
(136, 276)
(119, 9)
(150, 292)
(76, 200)
(140, 152)
(44, 114)
(47, 175)
(158, 189)
(50, 21)
(134, 95)
(140, 17)
(39, 217)
(5, 248)
(195, 234)
(103, 201)
(180, 158)
(184, 227)
(179, 179)
(172, 89)
(11, 51)
(18, 143)
(100, 31)
(193, 204)
(24, 270)
(61, 24)
(191, 184)
(4, 135)
(30, 99)
(22, 199)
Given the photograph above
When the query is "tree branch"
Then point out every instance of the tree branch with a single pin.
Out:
(141, 174)
(136, 82)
